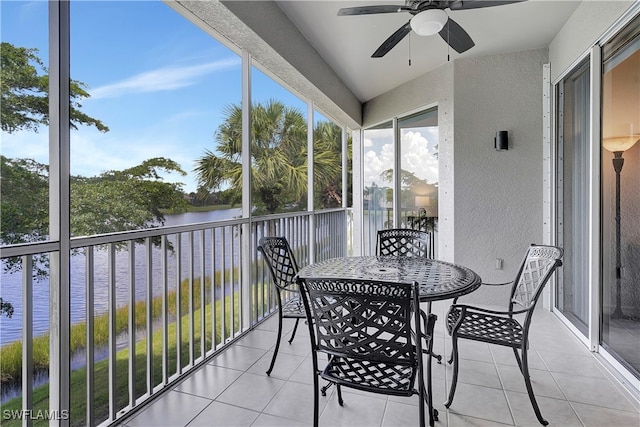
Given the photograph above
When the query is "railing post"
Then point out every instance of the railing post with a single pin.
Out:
(27, 338)
(89, 352)
(132, 323)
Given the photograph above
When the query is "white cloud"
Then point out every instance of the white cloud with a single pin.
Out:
(417, 157)
(162, 79)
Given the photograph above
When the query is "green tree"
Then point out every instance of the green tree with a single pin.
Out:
(125, 200)
(24, 103)
(279, 158)
(24, 190)
(110, 202)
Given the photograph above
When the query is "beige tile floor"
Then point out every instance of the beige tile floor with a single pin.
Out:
(573, 388)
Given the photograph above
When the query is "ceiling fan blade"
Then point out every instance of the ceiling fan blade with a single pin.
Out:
(369, 10)
(393, 40)
(456, 36)
(477, 4)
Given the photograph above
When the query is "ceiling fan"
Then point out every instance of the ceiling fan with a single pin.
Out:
(429, 17)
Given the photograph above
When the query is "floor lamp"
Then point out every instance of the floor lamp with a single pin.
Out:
(618, 145)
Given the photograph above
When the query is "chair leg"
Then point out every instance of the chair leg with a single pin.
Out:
(325, 388)
(339, 390)
(423, 397)
(316, 403)
(527, 381)
(515, 352)
(454, 380)
(433, 414)
(295, 328)
(275, 351)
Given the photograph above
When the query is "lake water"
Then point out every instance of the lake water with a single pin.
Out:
(11, 283)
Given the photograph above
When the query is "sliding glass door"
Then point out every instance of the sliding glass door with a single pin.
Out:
(572, 166)
(400, 175)
(620, 315)
(378, 169)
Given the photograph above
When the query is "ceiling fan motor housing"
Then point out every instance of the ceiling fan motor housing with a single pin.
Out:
(429, 22)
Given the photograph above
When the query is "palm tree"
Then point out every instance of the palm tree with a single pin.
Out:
(278, 157)
(328, 164)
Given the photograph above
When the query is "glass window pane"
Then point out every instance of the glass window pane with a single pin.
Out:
(572, 292)
(24, 195)
(25, 122)
(279, 150)
(620, 201)
(158, 94)
(419, 171)
(378, 183)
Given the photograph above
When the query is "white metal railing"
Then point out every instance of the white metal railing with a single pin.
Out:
(157, 303)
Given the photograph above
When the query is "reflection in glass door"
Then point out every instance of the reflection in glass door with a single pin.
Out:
(413, 174)
(419, 172)
(378, 182)
(620, 333)
(572, 165)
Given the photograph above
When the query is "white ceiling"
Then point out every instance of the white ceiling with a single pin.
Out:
(347, 42)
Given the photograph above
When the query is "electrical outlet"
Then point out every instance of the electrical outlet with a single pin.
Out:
(499, 262)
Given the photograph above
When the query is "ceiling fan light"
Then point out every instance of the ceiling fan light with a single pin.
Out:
(429, 22)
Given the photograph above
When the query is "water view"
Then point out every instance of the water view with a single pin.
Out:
(11, 286)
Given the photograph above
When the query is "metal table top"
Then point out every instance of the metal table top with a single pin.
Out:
(438, 280)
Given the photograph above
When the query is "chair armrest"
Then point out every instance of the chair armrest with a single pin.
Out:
(465, 308)
(428, 323)
(288, 287)
(497, 284)
(455, 300)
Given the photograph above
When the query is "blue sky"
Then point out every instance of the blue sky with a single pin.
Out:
(160, 84)
(156, 80)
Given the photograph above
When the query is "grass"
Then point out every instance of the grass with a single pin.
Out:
(101, 371)
(101, 368)
(11, 354)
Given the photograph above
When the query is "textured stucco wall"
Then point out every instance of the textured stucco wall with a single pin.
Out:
(498, 203)
(490, 202)
(581, 31)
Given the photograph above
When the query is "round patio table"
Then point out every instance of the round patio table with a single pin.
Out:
(438, 280)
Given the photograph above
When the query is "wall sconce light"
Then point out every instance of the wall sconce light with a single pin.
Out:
(501, 141)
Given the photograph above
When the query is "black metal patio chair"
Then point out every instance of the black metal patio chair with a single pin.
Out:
(283, 266)
(365, 328)
(404, 242)
(501, 327)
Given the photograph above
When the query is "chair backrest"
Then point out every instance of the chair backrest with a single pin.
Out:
(280, 259)
(363, 319)
(404, 242)
(539, 263)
